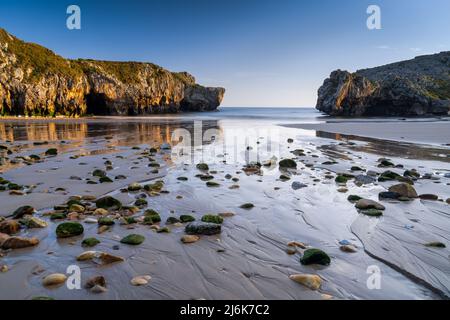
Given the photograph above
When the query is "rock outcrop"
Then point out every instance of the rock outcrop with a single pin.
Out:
(415, 87)
(34, 81)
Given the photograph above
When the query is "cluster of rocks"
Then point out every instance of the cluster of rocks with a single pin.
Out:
(106, 212)
(7, 156)
(401, 190)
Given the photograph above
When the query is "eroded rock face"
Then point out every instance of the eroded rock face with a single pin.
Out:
(415, 87)
(34, 81)
(198, 98)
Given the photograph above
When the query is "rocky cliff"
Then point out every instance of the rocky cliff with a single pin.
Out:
(409, 88)
(36, 81)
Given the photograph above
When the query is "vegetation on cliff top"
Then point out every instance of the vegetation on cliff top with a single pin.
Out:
(37, 82)
(42, 61)
(38, 59)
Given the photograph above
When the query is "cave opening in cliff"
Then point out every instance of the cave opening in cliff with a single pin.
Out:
(96, 103)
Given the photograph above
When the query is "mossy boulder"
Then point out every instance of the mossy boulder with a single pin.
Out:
(51, 152)
(108, 203)
(186, 218)
(154, 187)
(389, 176)
(130, 220)
(105, 179)
(315, 256)
(154, 165)
(153, 215)
(99, 173)
(203, 228)
(90, 242)
(133, 239)
(172, 220)
(105, 221)
(341, 179)
(353, 198)
(202, 166)
(69, 229)
(247, 206)
(411, 174)
(35, 157)
(212, 184)
(372, 212)
(205, 177)
(134, 187)
(386, 195)
(212, 218)
(140, 203)
(14, 186)
(147, 221)
(287, 164)
(385, 163)
(21, 211)
(435, 245)
(58, 216)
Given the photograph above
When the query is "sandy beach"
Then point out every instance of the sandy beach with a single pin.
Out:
(423, 131)
(250, 258)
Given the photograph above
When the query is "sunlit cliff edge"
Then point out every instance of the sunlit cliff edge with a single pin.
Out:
(34, 81)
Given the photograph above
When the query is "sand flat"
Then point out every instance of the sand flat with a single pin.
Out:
(248, 260)
(435, 132)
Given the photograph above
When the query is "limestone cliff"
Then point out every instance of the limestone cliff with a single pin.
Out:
(409, 88)
(36, 81)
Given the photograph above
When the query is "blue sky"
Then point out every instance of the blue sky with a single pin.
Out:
(265, 53)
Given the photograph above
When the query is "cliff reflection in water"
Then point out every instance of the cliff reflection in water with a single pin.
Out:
(124, 132)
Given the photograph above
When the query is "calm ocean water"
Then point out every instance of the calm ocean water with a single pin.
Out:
(284, 114)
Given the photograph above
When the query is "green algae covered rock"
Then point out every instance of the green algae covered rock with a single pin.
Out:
(133, 239)
(90, 242)
(287, 164)
(69, 229)
(212, 218)
(108, 203)
(186, 218)
(315, 256)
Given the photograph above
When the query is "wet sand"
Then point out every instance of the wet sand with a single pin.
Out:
(248, 260)
(425, 131)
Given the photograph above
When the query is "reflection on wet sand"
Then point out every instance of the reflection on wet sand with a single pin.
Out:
(391, 148)
(131, 133)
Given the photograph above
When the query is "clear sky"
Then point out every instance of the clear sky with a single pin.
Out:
(265, 53)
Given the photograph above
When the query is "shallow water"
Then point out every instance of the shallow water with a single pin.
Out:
(252, 262)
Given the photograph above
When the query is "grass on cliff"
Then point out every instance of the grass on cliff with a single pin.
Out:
(441, 90)
(128, 72)
(41, 60)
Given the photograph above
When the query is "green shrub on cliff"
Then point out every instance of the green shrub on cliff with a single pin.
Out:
(41, 60)
(441, 90)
